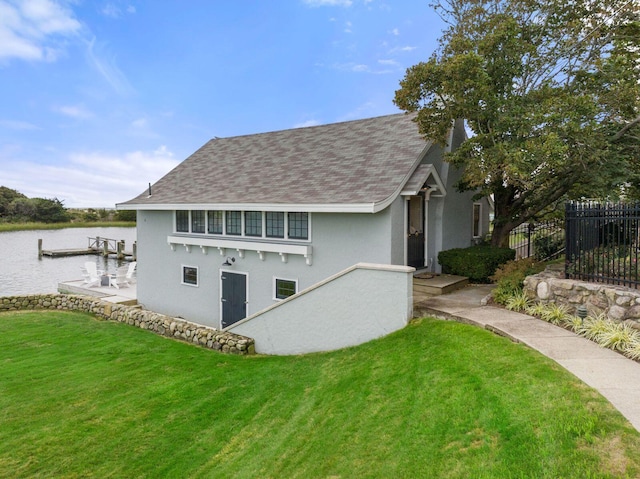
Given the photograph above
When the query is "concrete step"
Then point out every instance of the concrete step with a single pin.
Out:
(436, 284)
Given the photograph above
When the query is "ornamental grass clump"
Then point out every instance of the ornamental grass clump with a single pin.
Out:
(572, 322)
(619, 336)
(592, 328)
(632, 350)
(518, 302)
(555, 313)
(537, 309)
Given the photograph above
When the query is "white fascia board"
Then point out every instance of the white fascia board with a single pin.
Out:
(431, 173)
(266, 247)
(305, 208)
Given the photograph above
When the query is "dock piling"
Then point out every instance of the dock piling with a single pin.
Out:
(40, 248)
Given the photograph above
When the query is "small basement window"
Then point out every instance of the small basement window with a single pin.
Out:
(283, 288)
(190, 275)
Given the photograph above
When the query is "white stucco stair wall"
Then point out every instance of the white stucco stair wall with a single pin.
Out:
(361, 303)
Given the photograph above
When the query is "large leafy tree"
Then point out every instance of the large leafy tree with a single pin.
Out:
(550, 93)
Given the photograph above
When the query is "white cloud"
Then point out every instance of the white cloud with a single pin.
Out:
(395, 32)
(17, 125)
(406, 48)
(93, 179)
(111, 10)
(30, 29)
(363, 111)
(114, 11)
(307, 123)
(328, 3)
(107, 67)
(347, 27)
(357, 68)
(140, 123)
(389, 62)
(74, 111)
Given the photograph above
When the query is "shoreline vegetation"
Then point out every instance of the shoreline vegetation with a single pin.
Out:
(8, 227)
(19, 213)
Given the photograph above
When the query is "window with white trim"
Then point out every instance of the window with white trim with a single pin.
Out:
(182, 221)
(299, 225)
(215, 222)
(197, 221)
(190, 275)
(253, 223)
(477, 220)
(248, 224)
(275, 224)
(283, 288)
(234, 223)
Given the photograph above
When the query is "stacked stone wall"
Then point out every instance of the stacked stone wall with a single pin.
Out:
(135, 316)
(616, 302)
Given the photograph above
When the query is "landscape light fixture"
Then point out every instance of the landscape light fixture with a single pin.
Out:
(229, 261)
(581, 312)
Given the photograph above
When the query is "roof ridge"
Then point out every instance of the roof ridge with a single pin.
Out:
(312, 127)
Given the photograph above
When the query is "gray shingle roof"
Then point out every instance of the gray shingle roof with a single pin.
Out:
(351, 163)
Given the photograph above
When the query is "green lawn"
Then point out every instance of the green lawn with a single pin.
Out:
(84, 398)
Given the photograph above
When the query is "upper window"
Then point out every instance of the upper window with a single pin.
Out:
(275, 224)
(299, 225)
(215, 222)
(285, 288)
(234, 223)
(197, 221)
(182, 221)
(253, 223)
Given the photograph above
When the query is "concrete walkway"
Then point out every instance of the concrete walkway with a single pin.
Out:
(614, 376)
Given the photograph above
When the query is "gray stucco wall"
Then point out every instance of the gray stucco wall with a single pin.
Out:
(363, 303)
(338, 240)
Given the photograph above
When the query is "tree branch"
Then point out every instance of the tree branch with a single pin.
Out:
(626, 128)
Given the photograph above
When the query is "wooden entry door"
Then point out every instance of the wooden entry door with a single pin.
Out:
(415, 233)
(233, 294)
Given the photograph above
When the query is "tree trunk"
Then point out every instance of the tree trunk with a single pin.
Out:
(500, 235)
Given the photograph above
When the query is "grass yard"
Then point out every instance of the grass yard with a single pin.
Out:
(85, 398)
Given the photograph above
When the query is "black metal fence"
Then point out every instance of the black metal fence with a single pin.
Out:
(543, 240)
(602, 243)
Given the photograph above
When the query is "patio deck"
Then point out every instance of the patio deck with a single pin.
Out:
(127, 296)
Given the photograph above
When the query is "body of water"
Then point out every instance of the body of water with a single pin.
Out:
(22, 272)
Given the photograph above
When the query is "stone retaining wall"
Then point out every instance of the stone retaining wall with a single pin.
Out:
(158, 323)
(616, 302)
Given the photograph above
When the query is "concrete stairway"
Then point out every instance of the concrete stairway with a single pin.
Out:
(429, 284)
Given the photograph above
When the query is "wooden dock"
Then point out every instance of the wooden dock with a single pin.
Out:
(100, 246)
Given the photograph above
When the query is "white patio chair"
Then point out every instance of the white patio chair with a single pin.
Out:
(91, 274)
(131, 272)
(119, 280)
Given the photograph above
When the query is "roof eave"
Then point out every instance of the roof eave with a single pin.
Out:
(291, 207)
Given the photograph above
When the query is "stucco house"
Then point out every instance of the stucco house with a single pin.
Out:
(248, 221)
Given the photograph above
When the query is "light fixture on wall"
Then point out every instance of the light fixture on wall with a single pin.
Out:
(229, 261)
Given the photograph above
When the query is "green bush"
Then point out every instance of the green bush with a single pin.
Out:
(477, 263)
(509, 278)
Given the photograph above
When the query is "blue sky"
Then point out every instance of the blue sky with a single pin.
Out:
(99, 98)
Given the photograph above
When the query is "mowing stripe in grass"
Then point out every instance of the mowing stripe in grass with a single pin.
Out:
(81, 397)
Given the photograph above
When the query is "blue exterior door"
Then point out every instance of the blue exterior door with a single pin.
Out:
(233, 297)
